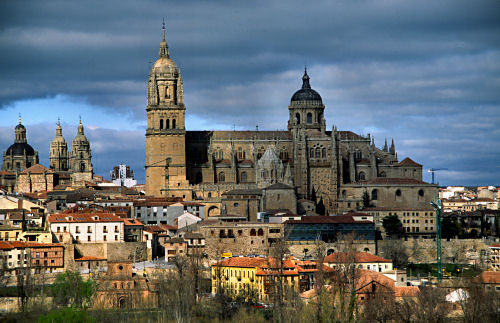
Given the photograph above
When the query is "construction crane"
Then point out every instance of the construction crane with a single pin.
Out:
(437, 207)
(432, 170)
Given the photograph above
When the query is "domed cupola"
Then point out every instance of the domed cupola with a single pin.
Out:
(306, 108)
(19, 155)
(306, 93)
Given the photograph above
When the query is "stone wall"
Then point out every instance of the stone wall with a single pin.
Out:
(309, 248)
(453, 251)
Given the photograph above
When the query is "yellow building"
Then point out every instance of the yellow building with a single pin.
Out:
(255, 277)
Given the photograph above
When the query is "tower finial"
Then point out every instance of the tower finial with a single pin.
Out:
(80, 117)
(163, 29)
(305, 80)
(58, 121)
(19, 117)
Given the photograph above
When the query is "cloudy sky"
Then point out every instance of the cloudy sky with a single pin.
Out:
(426, 73)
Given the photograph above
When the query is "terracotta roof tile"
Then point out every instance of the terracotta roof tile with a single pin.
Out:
(326, 219)
(408, 162)
(37, 169)
(360, 257)
(84, 217)
(489, 277)
(89, 258)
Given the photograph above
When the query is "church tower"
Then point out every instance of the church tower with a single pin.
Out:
(166, 132)
(59, 156)
(81, 157)
(19, 155)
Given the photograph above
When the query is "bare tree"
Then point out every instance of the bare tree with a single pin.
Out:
(479, 303)
(431, 305)
(380, 307)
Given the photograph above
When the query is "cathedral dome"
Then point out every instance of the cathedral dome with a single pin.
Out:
(164, 65)
(306, 93)
(18, 149)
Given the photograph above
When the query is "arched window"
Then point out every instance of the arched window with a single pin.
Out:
(382, 174)
(82, 167)
(260, 232)
(344, 194)
(319, 117)
(284, 154)
(253, 232)
(361, 176)
(311, 153)
(167, 124)
(309, 118)
(173, 123)
(222, 177)
(318, 152)
(374, 194)
(243, 177)
(323, 153)
(398, 193)
(421, 193)
(297, 116)
(161, 123)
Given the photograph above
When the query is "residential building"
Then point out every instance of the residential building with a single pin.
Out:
(257, 276)
(133, 230)
(40, 257)
(417, 222)
(88, 227)
(361, 260)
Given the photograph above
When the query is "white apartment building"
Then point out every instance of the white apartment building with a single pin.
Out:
(88, 227)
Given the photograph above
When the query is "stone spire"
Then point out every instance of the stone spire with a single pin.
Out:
(392, 150)
(305, 80)
(385, 146)
(163, 45)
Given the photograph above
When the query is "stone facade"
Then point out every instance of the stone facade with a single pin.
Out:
(317, 163)
(36, 178)
(240, 238)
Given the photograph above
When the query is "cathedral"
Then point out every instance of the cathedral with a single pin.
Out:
(21, 171)
(334, 168)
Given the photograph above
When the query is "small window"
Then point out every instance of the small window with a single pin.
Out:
(398, 193)
(222, 177)
(421, 193)
(309, 118)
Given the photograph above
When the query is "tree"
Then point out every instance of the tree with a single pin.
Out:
(392, 226)
(69, 289)
(478, 303)
(396, 251)
(431, 305)
(450, 227)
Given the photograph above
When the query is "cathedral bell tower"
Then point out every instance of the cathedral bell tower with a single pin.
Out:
(166, 132)
(306, 108)
(59, 156)
(81, 157)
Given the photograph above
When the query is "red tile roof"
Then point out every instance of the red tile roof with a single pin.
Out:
(37, 169)
(7, 245)
(84, 217)
(89, 258)
(132, 222)
(359, 257)
(408, 162)
(488, 277)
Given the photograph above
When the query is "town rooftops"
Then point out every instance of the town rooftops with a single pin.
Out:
(488, 277)
(84, 217)
(132, 222)
(90, 258)
(358, 257)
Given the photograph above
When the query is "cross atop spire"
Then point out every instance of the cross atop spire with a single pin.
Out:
(163, 45)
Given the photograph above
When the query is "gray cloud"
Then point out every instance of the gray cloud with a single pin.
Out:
(423, 72)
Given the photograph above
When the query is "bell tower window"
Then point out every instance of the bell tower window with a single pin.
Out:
(173, 123)
(167, 124)
(309, 118)
(297, 116)
(161, 123)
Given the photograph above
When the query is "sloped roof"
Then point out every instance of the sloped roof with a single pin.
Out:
(359, 257)
(279, 186)
(7, 245)
(488, 277)
(90, 258)
(84, 217)
(37, 169)
(408, 162)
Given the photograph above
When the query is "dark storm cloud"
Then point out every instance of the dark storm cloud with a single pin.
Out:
(423, 72)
